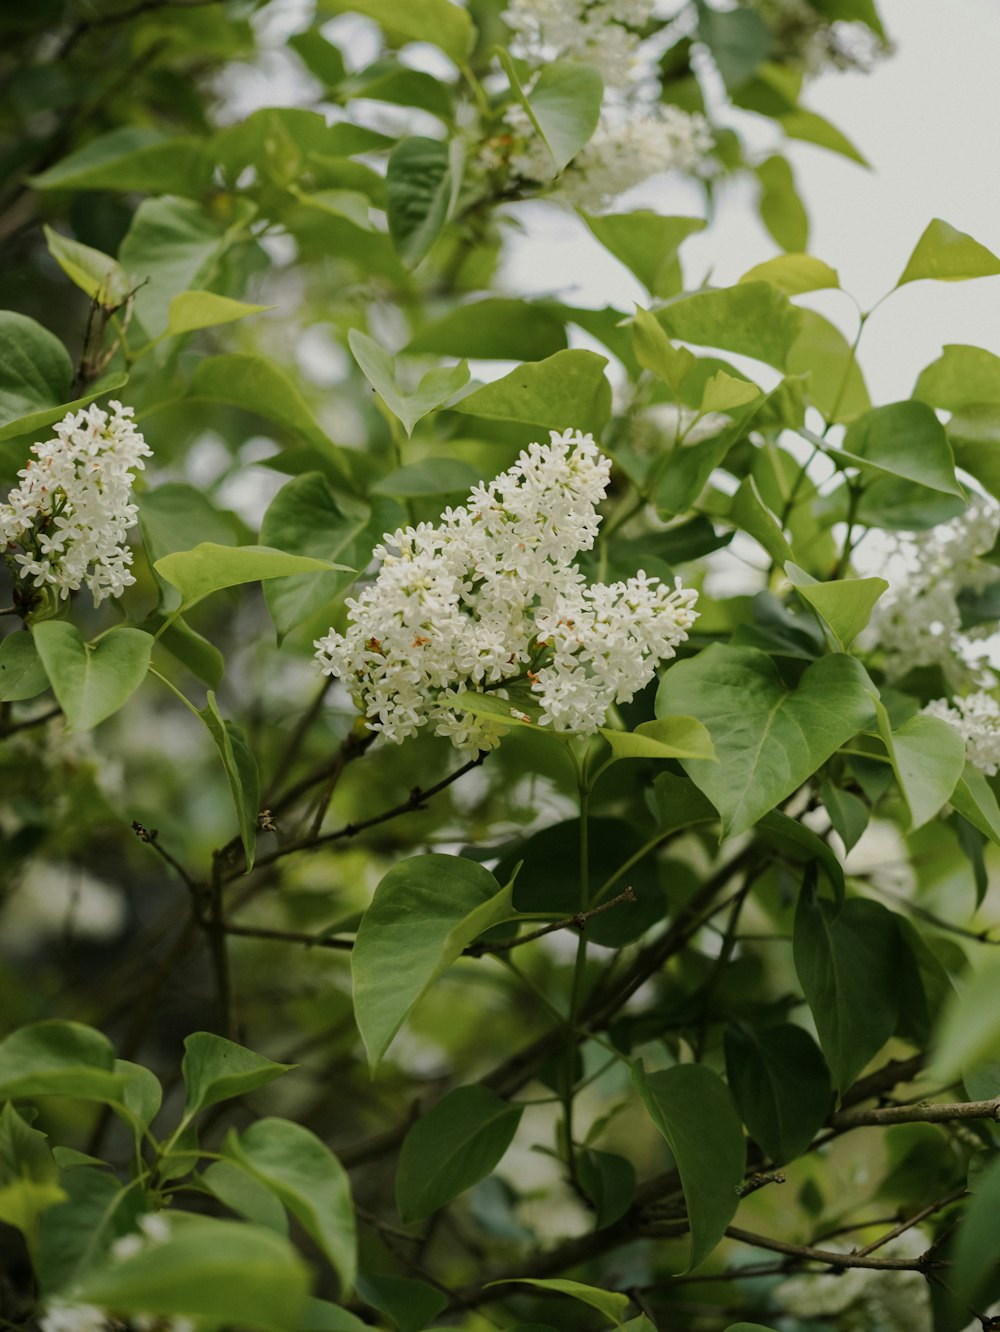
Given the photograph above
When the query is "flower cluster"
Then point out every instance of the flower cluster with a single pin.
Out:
(862, 1299)
(976, 717)
(802, 34)
(65, 524)
(65, 1316)
(601, 33)
(625, 151)
(919, 620)
(488, 597)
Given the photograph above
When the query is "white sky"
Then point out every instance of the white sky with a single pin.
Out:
(927, 119)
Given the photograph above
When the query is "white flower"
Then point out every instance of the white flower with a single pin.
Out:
(598, 32)
(918, 621)
(976, 717)
(65, 524)
(62, 1317)
(624, 151)
(864, 1299)
(489, 596)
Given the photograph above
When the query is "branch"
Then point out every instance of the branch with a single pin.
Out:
(578, 921)
(151, 837)
(805, 1252)
(936, 1206)
(40, 720)
(921, 1113)
(288, 936)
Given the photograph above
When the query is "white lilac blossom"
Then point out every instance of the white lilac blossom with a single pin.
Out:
(65, 524)
(601, 33)
(862, 1299)
(976, 717)
(624, 151)
(489, 596)
(918, 622)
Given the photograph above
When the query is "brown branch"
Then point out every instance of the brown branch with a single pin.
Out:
(578, 921)
(883, 1080)
(921, 1113)
(151, 837)
(288, 936)
(936, 1206)
(806, 1252)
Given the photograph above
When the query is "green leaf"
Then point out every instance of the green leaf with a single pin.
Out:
(500, 710)
(608, 1302)
(422, 181)
(38, 420)
(723, 392)
(321, 1316)
(849, 814)
(794, 274)
(781, 1084)
(256, 384)
(564, 105)
(241, 772)
(781, 209)
(738, 39)
(974, 799)
(847, 964)
(927, 756)
(225, 1271)
(215, 1070)
(974, 435)
(410, 1305)
(243, 1193)
(22, 674)
(28, 1175)
(977, 1246)
(431, 476)
(679, 803)
(210, 567)
(801, 844)
(142, 1094)
(647, 244)
(692, 1108)
(92, 680)
(35, 371)
(904, 506)
(968, 1032)
(665, 738)
(655, 352)
(948, 255)
(495, 328)
(306, 518)
(812, 128)
(457, 1143)
(961, 377)
(319, 56)
(565, 391)
(609, 1182)
(132, 158)
(749, 513)
(307, 1177)
(446, 25)
(74, 1236)
(752, 318)
(834, 380)
(58, 1059)
(844, 605)
(424, 913)
(98, 275)
(379, 368)
(204, 309)
(768, 738)
(902, 439)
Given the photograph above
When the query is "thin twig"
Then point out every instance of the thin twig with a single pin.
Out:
(829, 1256)
(578, 921)
(151, 837)
(288, 936)
(911, 1221)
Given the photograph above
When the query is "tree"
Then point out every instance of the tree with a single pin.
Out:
(621, 936)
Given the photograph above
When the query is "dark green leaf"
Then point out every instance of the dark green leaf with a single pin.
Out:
(424, 913)
(456, 1144)
(977, 1247)
(609, 1182)
(781, 1084)
(847, 964)
(243, 1193)
(848, 814)
(902, 439)
(610, 1303)
(132, 158)
(495, 328)
(409, 1305)
(692, 1108)
(35, 371)
(422, 183)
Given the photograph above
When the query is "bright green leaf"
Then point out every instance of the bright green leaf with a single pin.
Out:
(647, 244)
(723, 392)
(961, 377)
(794, 274)
(98, 275)
(258, 385)
(901, 439)
(845, 605)
(446, 25)
(496, 328)
(608, 1302)
(565, 391)
(749, 513)
(751, 318)
(210, 568)
(667, 737)
(655, 352)
(768, 738)
(204, 309)
(92, 680)
(927, 756)
(379, 368)
(823, 355)
(974, 799)
(948, 255)
(781, 209)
